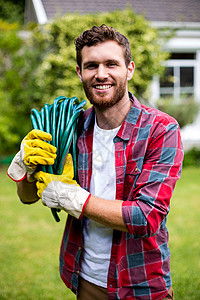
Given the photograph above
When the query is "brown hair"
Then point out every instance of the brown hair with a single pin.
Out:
(100, 34)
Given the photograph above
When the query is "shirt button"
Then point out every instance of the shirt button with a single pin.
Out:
(77, 272)
(79, 248)
(136, 169)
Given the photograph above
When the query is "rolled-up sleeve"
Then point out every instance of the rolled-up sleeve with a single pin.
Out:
(162, 165)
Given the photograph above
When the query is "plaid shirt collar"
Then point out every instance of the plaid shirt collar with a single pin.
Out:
(127, 126)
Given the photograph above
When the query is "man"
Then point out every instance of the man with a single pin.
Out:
(115, 244)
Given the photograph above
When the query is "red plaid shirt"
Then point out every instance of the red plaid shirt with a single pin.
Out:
(148, 159)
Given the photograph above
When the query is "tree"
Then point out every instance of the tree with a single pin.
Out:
(57, 74)
(18, 91)
(36, 69)
(12, 11)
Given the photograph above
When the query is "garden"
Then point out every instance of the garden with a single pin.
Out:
(38, 64)
(30, 242)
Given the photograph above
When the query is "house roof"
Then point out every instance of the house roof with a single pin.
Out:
(154, 10)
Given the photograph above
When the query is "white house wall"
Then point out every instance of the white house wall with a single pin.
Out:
(40, 12)
(197, 76)
(35, 12)
(186, 44)
(186, 40)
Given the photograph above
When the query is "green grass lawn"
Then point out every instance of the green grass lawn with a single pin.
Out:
(30, 242)
(29, 251)
(184, 229)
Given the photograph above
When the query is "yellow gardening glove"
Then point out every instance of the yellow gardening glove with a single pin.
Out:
(44, 179)
(34, 150)
(61, 191)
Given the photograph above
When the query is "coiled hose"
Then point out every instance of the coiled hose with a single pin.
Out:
(60, 119)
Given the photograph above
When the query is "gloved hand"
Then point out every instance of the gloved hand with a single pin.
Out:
(34, 150)
(61, 191)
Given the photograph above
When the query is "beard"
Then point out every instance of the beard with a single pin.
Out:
(100, 101)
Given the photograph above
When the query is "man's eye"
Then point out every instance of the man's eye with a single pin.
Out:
(111, 64)
(91, 66)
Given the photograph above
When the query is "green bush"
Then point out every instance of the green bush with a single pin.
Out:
(192, 157)
(57, 74)
(184, 110)
(35, 70)
(12, 11)
(18, 90)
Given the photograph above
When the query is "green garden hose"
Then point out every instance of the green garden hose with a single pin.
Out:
(60, 119)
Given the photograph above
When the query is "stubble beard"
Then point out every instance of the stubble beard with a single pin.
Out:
(99, 101)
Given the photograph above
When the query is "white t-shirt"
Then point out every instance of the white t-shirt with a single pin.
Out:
(97, 237)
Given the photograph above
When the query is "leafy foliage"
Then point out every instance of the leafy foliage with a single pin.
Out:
(18, 91)
(192, 157)
(184, 111)
(57, 74)
(36, 69)
(12, 10)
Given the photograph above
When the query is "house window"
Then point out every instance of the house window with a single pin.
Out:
(178, 79)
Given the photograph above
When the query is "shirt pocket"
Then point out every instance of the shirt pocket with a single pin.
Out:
(131, 175)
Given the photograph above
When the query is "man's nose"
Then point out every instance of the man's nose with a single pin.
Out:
(101, 73)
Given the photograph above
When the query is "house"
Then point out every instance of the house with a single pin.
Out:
(184, 63)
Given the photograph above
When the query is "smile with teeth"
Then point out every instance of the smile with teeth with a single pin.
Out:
(103, 87)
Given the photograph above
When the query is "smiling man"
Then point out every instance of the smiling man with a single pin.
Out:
(104, 74)
(115, 244)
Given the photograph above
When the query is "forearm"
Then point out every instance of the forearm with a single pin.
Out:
(27, 192)
(106, 212)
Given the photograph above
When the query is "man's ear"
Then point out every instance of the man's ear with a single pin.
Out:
(131, 68)
(79, 73)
